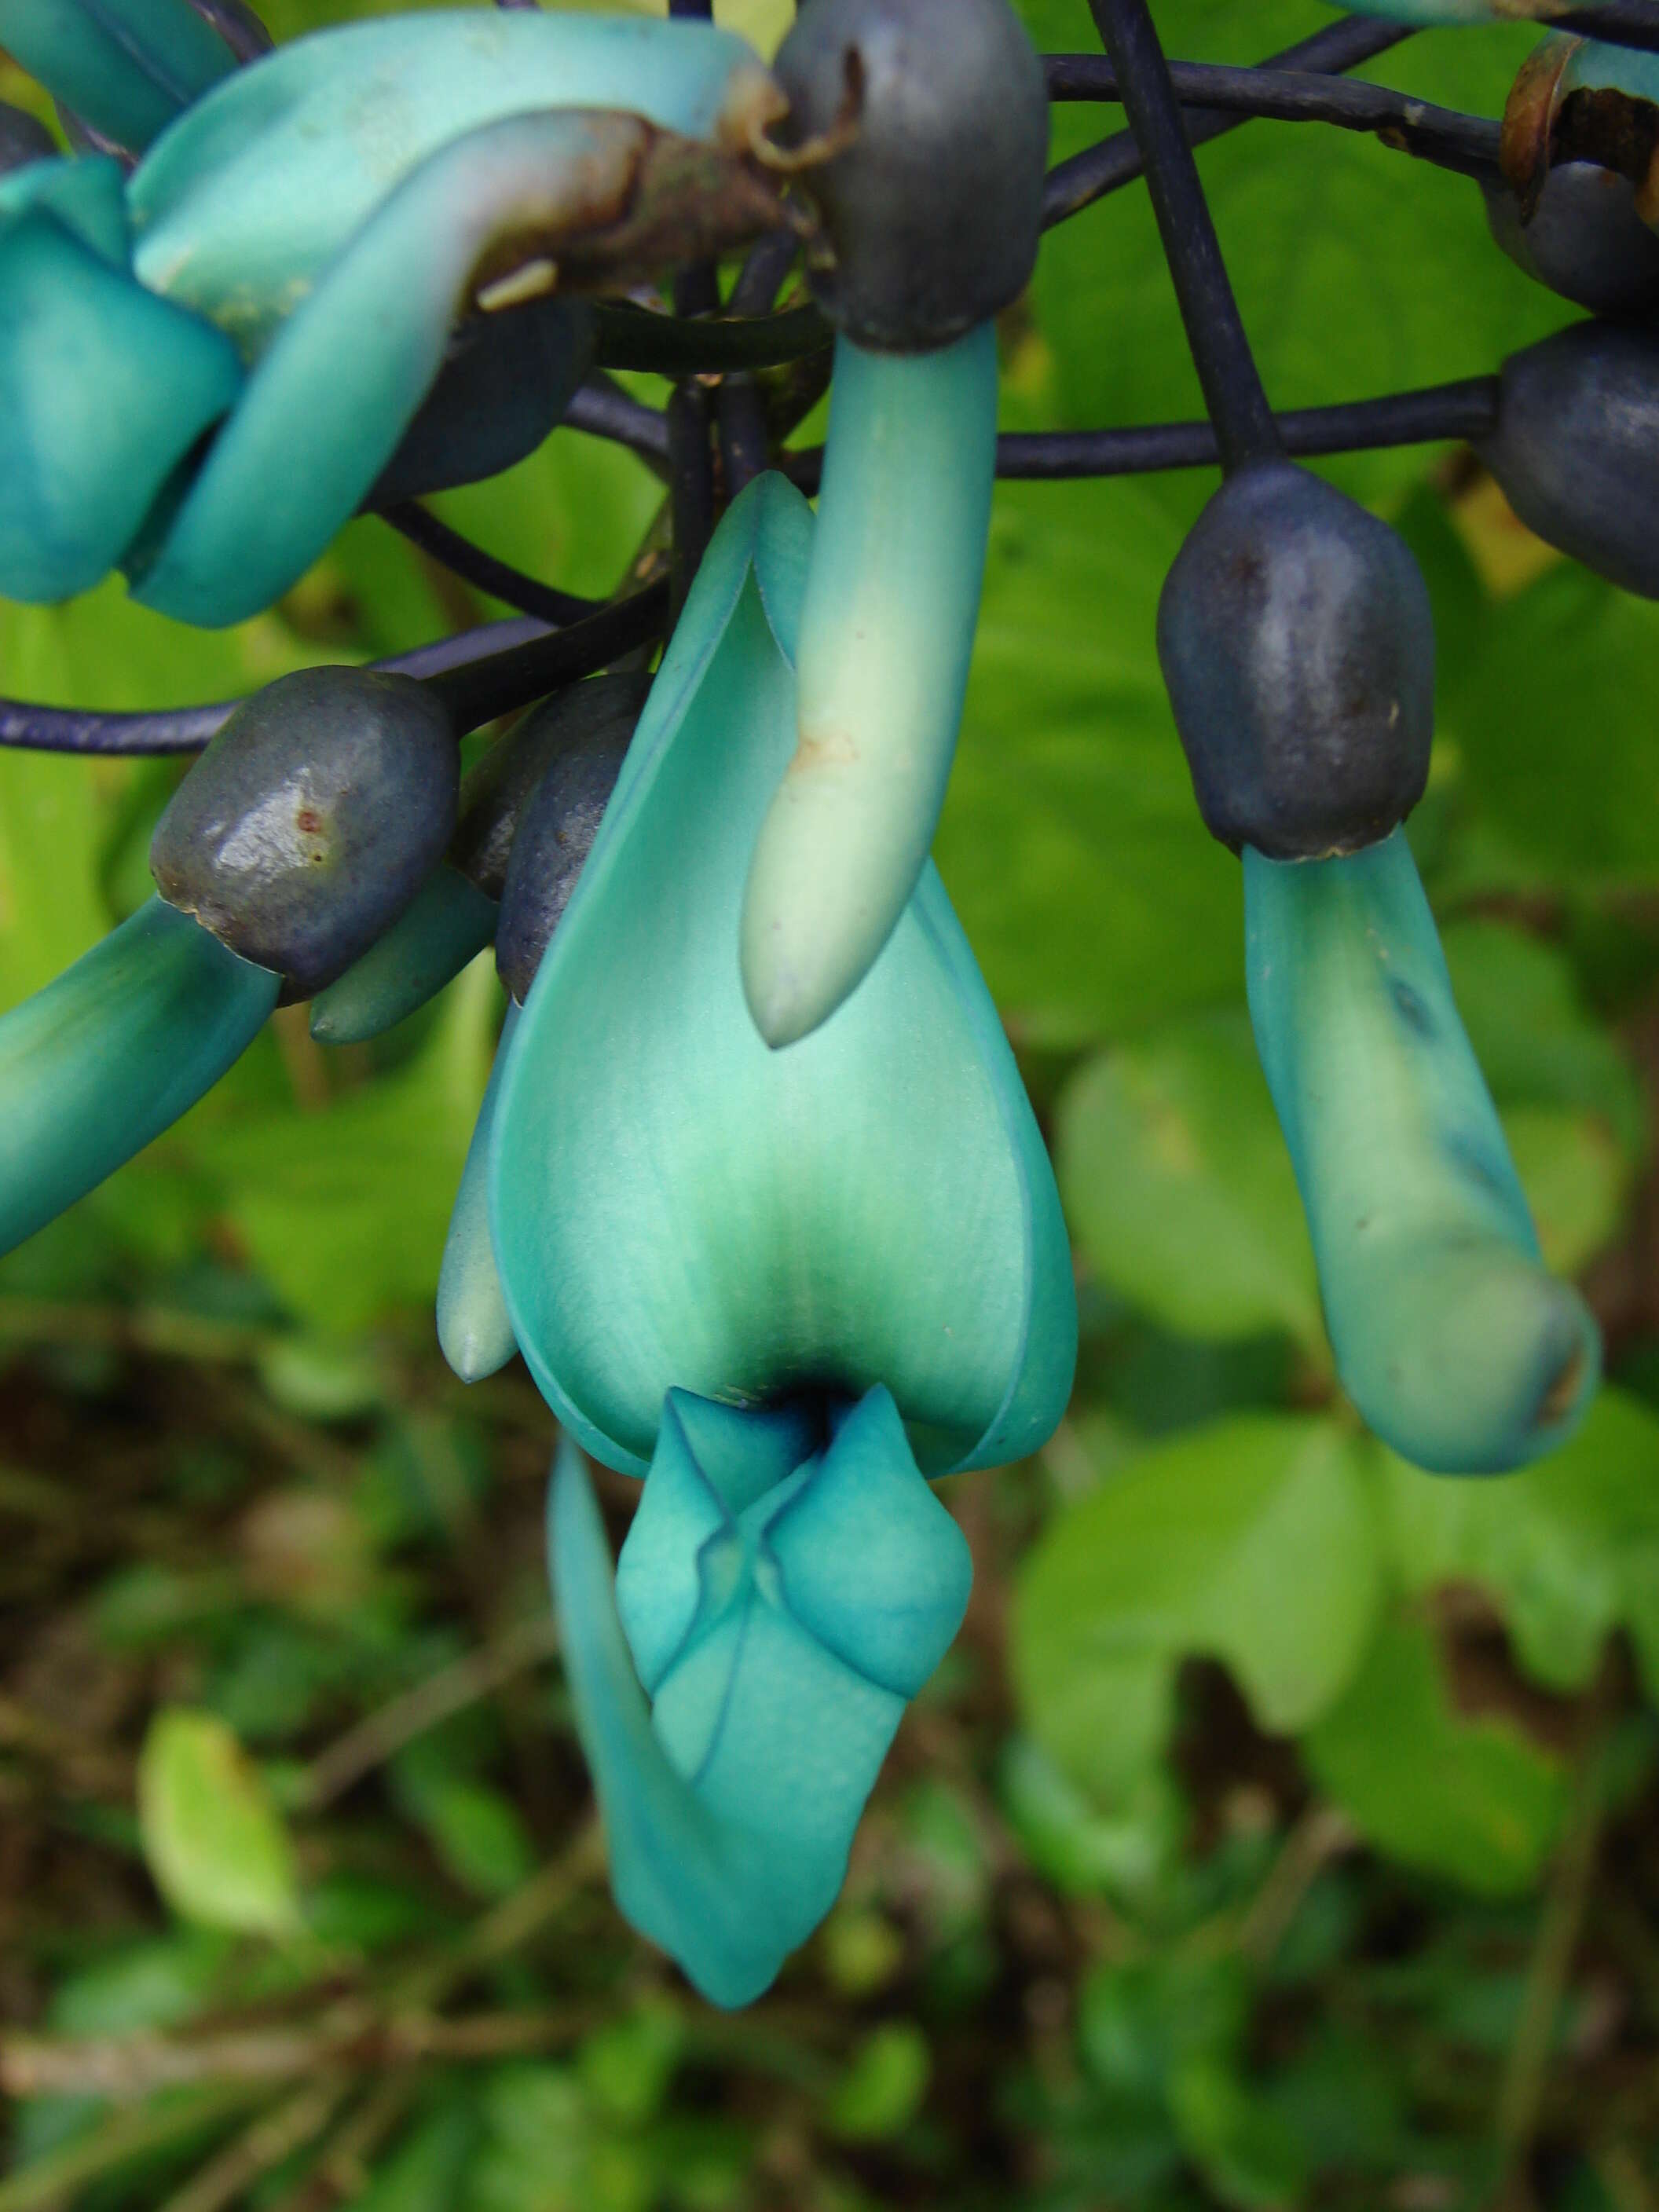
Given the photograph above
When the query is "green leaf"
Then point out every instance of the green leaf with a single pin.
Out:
(1093, 894)
(345, 1211)
(477, 1833)
(1536, 1043)
(214, 1843)
(1243, 2149)
(885, 2080)
(1178, 1186)
(1251, 1540)
(541, 2152)
(424, 2173)
(1568, 1550)
(1555, 727)
(1473, 1800)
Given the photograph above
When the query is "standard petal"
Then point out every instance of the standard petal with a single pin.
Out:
(1453, 1342)
(675, 1206)
(118, 1048)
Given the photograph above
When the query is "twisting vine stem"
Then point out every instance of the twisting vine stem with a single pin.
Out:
(1221, 352)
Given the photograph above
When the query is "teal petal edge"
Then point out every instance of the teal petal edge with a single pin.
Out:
(1458, 1347)
(128, 67)
(886, 636)
(783, 1609)
(104, 390)
(115, 1049)
(448, 923)
(242, 204)
(474, 1327)
(674, 1206)
(329, 400)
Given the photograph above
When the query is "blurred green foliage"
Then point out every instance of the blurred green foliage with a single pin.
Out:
(1281, 1831)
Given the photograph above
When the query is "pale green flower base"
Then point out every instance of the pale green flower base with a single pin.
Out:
(1457, 1346)
(112, 1053)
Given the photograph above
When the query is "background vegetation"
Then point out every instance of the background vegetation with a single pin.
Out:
(1282, 1830)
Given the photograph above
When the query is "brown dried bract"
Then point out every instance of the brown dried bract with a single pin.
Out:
(1548, 121)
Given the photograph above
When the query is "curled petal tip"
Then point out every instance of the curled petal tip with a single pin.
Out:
(474, 1330)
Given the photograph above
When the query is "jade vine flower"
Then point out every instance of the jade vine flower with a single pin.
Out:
(287, 265)
(785, 1287)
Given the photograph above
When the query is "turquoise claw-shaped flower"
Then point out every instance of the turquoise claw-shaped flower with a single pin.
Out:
(852, 1250)
(113, 1052)
(304, 240)
(1458, 1347)
(782, 1598)
(128, 67)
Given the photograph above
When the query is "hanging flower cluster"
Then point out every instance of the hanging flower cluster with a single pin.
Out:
(755, 1189)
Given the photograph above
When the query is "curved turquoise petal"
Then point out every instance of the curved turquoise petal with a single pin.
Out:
(325, 408)
(448, 923)
(1455, 1345)
(113, 1052)
(130, 67)
(767, 1734)
(244, 202)
(675, 1206)
(88, 196)
(689, 1883)
(886, 634)
(474, 1329)
(104, 389)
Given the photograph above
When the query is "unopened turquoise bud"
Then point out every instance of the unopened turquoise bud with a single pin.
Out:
(1458, 1347)
(112, 1053)
(782, 1597)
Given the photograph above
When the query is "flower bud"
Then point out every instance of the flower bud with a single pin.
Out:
(311, 820)
(932, 205)
(1297, 644)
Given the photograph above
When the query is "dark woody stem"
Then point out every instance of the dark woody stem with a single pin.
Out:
(1468, 144)
(1466, 410)
(1221, 352)
(1116, 162)
(481, 569)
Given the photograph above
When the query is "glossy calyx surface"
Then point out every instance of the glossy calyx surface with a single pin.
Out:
(932, 211)
(311, 820)
(1297, 643)
(586, 736)
(1576, 447)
